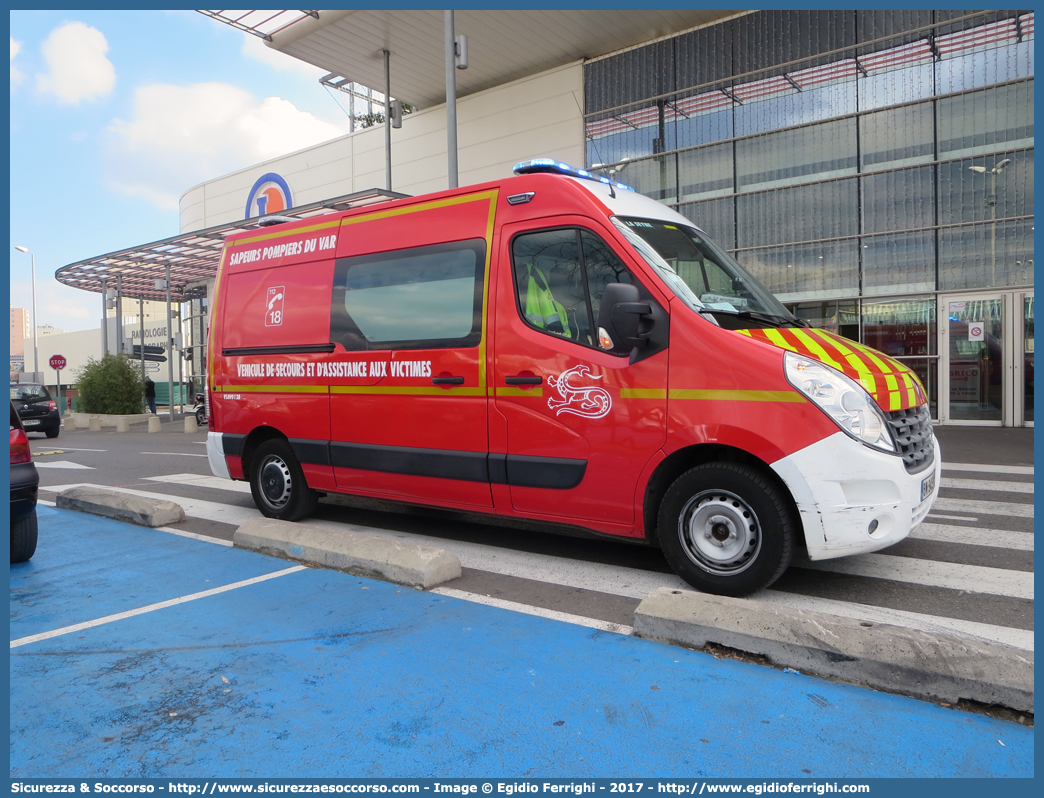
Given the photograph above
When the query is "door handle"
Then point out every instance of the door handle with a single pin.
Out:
(448, 380)
(523, 380)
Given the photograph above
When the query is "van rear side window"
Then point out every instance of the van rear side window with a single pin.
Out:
(418, 298)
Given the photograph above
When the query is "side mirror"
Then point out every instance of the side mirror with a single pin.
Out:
(619, 318)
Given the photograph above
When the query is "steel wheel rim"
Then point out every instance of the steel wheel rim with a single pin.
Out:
(719, 532)
(274, 481)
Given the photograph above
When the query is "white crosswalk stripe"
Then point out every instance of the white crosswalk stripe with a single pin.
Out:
(988, 469)
(636, 583)
(975, 536)
(988, 508)
(987, 484)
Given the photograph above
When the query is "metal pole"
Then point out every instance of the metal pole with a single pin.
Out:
(141, 321)
(36, 352)
(119, 314)
(170, 353)
(993, 227)
(387, 118)
(451, 99)
(105, 320)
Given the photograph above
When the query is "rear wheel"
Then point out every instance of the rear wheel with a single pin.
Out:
(726, 528)
(23, 538)
(201, 416)
(278, 484)
(53, 433)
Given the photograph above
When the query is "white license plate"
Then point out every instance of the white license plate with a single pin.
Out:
(31, 423)
(927, 486)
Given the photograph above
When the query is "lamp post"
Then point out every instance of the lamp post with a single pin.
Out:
(36, 354)
(991, 200)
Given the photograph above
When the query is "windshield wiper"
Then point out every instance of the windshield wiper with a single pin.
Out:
(767, 318)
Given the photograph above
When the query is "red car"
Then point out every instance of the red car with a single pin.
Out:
(25, 483)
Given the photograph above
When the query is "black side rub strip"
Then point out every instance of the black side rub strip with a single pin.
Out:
(294, 349)
(500, 469)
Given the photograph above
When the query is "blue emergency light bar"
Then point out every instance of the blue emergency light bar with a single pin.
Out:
(550, 165)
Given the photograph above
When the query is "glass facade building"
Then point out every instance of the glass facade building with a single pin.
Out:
(873, 168)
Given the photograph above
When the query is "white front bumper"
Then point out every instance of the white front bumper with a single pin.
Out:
(216, 455)
(841, 487)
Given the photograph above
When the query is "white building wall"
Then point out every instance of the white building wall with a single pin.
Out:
(538, 116)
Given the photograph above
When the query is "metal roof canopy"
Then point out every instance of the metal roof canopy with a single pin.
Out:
(192, 256)
(503, 45)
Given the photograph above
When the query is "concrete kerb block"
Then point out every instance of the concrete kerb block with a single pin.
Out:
(936, 666)
(122, 424)
(155, 425)
(190, 424)
(94, 424)
(364, 555)
(121, 506)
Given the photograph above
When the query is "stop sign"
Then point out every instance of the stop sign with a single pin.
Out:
(57, 362)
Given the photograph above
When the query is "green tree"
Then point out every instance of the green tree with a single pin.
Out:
(111, 385)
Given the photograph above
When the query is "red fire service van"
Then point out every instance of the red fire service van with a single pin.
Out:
(556, 347)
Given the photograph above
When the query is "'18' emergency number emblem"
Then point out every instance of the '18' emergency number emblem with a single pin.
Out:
(274, 308)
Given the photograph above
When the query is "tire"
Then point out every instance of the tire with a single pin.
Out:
(278, 484)
(23, 538)
(726, 528)
(201, 416)
(53, 433)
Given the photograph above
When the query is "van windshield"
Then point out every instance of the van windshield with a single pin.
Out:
(701, 274)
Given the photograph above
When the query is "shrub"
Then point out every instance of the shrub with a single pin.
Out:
(111, 385)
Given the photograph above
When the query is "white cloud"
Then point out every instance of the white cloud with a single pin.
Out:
(78, 67)
(255, 49)
(182, 135)
(16, 74)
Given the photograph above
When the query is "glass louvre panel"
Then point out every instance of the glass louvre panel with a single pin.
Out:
(892, 87)
(896, 137)
(706, 172)
(980, 121)
(841, 318)
(653, 177)
(801, 213)
(829, 269)
(899, 263)
(717, 218)
(900, 200)
(705, 128)
(792, 156)
(986, 255)
(900, 327)
(997, 186)
(796, 108)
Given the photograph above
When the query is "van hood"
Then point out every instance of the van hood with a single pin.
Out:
(893, 385)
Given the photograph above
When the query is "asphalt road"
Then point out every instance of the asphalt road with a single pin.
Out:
(968, 568)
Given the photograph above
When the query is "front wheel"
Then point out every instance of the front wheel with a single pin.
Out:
(726, 528)
(23, 538)
(278, 484)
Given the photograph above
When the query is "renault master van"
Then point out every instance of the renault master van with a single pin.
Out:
(556, 347)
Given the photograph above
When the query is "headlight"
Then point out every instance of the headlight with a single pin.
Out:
(841, 398)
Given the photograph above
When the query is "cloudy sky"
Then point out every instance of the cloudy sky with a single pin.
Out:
(114, 115)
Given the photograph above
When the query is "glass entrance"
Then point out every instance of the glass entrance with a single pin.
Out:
(1025, 378)
(975, 358)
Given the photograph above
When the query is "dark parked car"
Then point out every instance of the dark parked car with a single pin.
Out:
(36, 408)
(25, 483)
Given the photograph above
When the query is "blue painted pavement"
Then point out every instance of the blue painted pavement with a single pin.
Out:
(319, 673)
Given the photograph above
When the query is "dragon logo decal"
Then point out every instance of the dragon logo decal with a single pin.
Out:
(587, 401)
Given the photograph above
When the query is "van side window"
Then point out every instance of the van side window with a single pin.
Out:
(418, 298)
(560, 276)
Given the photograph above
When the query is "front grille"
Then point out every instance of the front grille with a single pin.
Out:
(912, 430)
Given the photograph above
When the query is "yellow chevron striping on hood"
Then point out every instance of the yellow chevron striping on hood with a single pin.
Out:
(893, 385)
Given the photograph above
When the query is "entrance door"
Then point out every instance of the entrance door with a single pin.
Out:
(1023, 360)
(975, 381)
